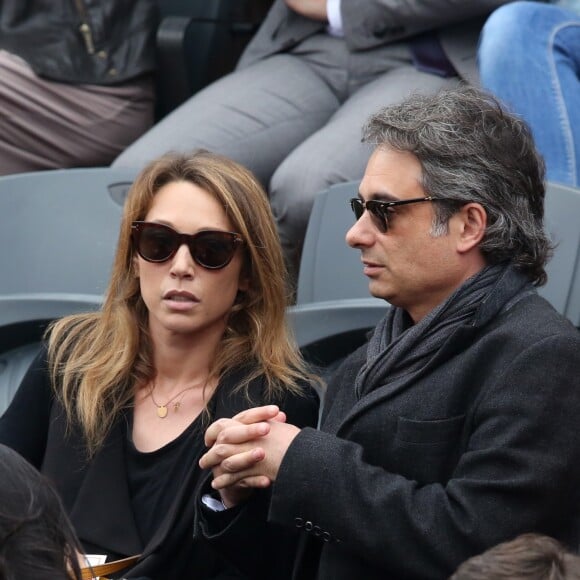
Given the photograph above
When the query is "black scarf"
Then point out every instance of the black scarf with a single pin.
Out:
(397, 347)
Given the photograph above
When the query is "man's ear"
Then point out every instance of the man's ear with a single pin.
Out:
(472, 223)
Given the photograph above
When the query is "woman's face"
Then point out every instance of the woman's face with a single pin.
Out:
(183, 298)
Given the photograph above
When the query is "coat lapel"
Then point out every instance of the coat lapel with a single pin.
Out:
(398, 384)
(346, 411)
(105, 491)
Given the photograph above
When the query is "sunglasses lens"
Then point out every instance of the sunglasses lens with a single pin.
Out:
(378, 215)
(157, 243)
(213, 250)
(374, 208)
(357, 207)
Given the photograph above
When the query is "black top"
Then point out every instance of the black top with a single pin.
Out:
(155, 477)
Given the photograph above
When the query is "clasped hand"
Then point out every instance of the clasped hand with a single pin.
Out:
(246, 451)
(313, 9)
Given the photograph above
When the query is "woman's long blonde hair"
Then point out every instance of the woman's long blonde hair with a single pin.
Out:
(97, 359)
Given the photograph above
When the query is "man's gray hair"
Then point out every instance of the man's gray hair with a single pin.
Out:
(472, 150)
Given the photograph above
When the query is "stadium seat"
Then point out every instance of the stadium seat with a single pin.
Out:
(563, 223)
(59, 232)
(334, 310)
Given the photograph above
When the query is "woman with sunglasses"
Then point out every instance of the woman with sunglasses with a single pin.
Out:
(192, 329)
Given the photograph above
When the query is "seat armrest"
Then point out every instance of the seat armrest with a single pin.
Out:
(173, 81)
(329, 331)
(23, 317)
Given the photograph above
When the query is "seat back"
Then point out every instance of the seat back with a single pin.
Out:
(329, 268)
(60, 229)
(562, 216)
(59, 232)
(334, 310)
(13, 366)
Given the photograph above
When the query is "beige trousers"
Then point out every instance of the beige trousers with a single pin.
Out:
(51, 125)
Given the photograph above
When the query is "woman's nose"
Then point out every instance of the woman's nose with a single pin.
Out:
(182, 263)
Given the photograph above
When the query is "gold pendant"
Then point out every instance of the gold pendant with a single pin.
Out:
(162, 412)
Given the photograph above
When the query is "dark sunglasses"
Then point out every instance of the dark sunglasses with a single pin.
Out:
(212, 249)
(379, 210)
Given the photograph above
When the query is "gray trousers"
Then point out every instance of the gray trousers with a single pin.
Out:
(51, 125)
(294, 119)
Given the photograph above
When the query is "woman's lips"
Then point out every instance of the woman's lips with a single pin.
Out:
(180, 299)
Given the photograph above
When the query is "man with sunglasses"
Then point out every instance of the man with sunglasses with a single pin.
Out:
(455, 427)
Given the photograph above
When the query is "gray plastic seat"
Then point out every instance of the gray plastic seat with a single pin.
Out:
(329, 268)
(334, 310)
(59, 229)
(562, 209)
(13, 366)
(58, 232)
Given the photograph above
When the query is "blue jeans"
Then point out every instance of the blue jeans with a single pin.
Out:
(529, 57)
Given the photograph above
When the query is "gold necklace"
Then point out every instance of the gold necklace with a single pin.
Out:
(162, 410)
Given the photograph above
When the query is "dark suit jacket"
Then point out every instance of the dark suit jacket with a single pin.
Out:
(417, 475)
(372, 23)
(96, 493)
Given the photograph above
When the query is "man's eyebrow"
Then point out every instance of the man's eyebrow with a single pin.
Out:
(381, 196)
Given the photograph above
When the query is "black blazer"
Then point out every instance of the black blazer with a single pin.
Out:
(419, 474)
(96, 493)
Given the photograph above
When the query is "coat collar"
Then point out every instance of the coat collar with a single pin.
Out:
(511, 287)
(105, 490)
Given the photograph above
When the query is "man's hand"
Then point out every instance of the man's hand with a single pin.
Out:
(247, 451)
(313, 9)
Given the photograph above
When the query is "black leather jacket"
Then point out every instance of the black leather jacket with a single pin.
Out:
(101, 42)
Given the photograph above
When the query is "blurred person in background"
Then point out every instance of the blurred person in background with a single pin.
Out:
(529, 57)
(528, 557)
(76, 80)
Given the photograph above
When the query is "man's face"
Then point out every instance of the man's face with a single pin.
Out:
(406, 265)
